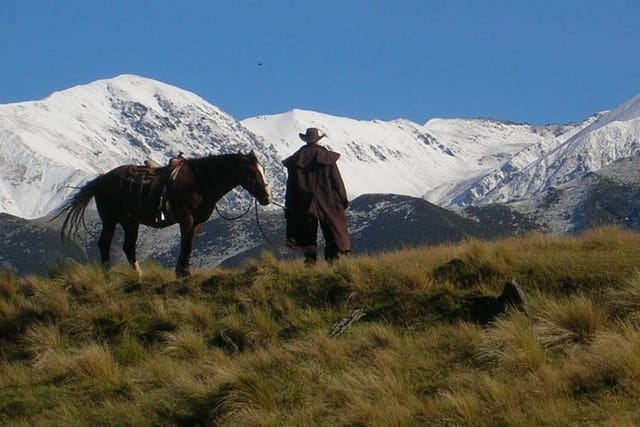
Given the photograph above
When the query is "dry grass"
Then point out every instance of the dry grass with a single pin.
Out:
(251, 346)
(184, 344)
(512, 345)
(40, 339)
(624, 301)
(569, 322)
(95, 361)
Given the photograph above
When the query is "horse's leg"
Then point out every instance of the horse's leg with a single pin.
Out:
(104, 243)
(129, 244)
(186, 241)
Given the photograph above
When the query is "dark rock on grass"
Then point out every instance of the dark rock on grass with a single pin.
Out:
(485, 309)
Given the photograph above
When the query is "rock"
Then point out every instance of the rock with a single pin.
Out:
(485, 309)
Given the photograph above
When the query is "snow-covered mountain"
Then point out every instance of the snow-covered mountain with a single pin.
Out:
(450, 162)
(608, 137)
(460, 162)
(50, 146)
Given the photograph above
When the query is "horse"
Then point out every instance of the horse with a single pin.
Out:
(184, 192)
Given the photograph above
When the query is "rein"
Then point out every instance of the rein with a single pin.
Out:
(278, 204)
(264, 235)
(234, 217)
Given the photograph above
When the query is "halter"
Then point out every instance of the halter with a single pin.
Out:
(264, 185)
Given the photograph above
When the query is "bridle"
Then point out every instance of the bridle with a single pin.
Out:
(264, 186)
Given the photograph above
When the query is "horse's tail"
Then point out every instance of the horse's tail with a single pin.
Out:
(73, 210)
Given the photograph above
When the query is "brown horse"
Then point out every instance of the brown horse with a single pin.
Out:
(185, 193)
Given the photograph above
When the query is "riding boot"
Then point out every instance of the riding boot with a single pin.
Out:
(310, 259)
(332, 258)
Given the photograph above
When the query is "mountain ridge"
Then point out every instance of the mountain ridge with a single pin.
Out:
(55, 144)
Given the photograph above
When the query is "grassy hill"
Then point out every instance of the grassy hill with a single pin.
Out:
(271, 343)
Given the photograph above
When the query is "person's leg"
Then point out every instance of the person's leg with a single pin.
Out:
(309, 240)
(331, 252)
(302, 235)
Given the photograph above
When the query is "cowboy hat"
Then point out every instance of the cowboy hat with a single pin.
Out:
(311, 136)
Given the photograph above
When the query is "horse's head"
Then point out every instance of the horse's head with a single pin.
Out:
(254, 180)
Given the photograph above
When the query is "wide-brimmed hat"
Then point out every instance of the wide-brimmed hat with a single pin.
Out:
(311, 136)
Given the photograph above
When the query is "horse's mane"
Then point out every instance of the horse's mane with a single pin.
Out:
(212, 158)
(215, 164)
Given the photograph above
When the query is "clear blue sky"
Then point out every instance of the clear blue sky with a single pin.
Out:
(543, 61)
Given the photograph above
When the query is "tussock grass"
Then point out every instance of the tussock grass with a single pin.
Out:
(9, 284)
(184, 344)
(600, 368)
(569, 322)
(95, 361)
(624, 301)
(512, 345)
(251, 346)
(41, 339)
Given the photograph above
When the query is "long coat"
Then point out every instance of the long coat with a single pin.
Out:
(315, 188)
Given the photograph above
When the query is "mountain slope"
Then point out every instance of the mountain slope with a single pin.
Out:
(33, 246)
(610, 195)
(376, 156)
(611, 136)
(463, 162)
(377, 222)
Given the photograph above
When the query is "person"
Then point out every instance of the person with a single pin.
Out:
(315, 194)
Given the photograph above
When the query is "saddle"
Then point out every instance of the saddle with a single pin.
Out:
(146, 186)
(174, 166)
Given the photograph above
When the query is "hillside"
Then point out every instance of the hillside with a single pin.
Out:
(606, 196)
(33, 246)
(378, 223)
(373, 341)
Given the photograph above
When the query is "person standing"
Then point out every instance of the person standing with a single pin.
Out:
(315, 194)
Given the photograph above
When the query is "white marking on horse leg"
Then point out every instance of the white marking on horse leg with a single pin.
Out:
(136, 266)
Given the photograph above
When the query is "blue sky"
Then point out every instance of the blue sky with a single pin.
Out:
(544, 61)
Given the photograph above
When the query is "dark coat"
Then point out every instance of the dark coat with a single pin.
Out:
(315, 188)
